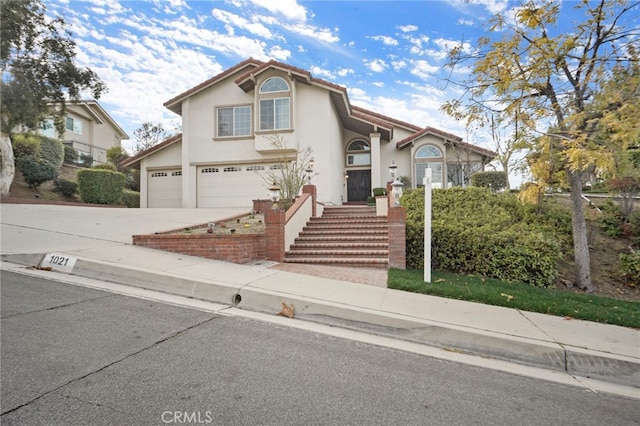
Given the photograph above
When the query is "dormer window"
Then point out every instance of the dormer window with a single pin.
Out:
(275, 111)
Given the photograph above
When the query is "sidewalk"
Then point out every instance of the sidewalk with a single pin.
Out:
(100, 239)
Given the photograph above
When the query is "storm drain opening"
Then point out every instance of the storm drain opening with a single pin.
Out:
(236, 299)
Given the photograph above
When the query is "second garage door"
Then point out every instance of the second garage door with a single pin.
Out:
(232, 186)
(165, 188)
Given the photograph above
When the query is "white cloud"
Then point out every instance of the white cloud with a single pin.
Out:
(316, 71)
(399, 64)
(233, 20)
(290, 9)
(279, 53)
(407, 28)
(466, 22)
(424, 70)
(311, 31)
(376, 65)
(343, 72)
(378, 83)
(387, 41)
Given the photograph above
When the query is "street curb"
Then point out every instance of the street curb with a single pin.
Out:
(555, 356)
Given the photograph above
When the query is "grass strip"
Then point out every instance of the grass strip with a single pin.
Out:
(518, 296)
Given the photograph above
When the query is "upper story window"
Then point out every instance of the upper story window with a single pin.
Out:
(358, 153)
(234, 121)
(74, 125)
(274, 84)
(275, 100)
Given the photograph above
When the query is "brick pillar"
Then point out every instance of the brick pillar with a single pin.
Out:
(397, 218)
(311, 189)
(274, 221)
(262, 205)
(390, 201)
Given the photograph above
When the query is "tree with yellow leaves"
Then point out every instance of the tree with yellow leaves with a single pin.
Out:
(557, 80)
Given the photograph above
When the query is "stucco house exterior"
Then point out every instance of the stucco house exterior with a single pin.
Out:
(90, 130)
(229, 123)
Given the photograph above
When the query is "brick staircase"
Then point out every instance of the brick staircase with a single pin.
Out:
(343, 236)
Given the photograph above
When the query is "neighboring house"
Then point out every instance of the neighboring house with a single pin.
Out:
(228, 126)
(90, 130)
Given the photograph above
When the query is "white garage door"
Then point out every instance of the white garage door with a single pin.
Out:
(232, 186)
(164, 188)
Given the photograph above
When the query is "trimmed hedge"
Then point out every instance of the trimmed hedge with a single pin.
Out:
(66, 187)
(493, 180)
(475, 231)
(131, 198)
(100, 186)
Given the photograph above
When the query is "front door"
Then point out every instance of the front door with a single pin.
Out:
(358, 185)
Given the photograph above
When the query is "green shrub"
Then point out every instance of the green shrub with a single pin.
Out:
(371, 201)
(133, 179)
(40, 165)
(66, 187)
(630, 268)
(634, 228)
(25, 145)
(494, 180)
(377, 192)
(611, 221)
(475, 231)
(105, 166)
(100, 186)
(70, 155)
(130, 198)
(86, 160)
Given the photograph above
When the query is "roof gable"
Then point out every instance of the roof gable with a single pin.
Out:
(175, 104)
(142, 154)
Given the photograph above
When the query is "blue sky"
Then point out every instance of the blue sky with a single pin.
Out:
(389, 54)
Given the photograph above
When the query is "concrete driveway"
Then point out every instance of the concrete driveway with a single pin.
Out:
(39, 228)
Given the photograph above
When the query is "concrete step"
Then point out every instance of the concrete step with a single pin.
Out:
(337, 245)
(340, 253)
(358, 263)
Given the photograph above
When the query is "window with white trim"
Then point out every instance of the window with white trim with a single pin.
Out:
(275, 111)
(159, 174)
(234, 121)
(429, 157)
(232, 169)
(74, 125)
(178, 173)
(358, 153)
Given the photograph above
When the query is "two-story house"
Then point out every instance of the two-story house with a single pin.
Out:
(229, 123)
(90, 130)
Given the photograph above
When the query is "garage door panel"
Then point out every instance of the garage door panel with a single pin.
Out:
(231, 186)
(164, 189)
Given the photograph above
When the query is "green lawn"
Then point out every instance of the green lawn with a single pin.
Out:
(518, 296)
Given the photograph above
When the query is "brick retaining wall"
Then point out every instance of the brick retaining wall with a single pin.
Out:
(238, 248)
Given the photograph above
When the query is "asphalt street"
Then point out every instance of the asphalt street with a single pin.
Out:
(72, 355)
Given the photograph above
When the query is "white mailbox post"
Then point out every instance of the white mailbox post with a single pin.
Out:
(427, 225)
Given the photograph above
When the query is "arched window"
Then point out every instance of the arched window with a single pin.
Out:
(429, 157)
(358, 153)
(274, 84)
(275, 111)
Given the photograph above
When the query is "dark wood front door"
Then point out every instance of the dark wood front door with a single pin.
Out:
(358, 185)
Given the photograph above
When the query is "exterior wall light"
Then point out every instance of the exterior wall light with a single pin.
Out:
(309, 171)
(393, 169)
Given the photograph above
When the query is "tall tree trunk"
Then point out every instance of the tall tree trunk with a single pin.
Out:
(580, 240)
(8, 164)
